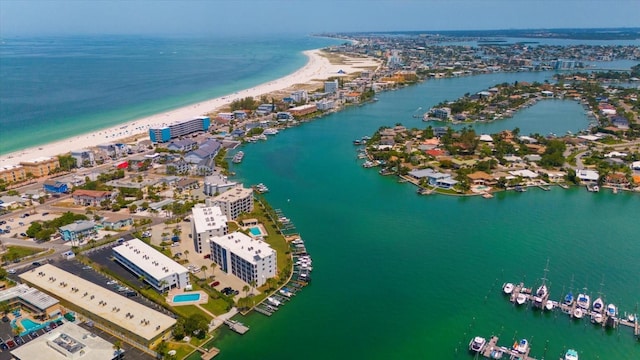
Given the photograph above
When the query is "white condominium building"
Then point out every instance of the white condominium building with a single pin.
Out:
(157, 269)
(249, 259)
(234, 202)
(207, 222)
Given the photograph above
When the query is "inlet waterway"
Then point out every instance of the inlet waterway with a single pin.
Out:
(402, 276)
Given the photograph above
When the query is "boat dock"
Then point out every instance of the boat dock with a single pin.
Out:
(237, 326)
(492, 349)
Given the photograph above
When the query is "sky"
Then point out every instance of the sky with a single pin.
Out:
(249, 17)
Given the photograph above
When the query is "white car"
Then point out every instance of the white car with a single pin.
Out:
(11, 271)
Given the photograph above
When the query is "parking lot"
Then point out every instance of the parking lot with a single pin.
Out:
(9, 341)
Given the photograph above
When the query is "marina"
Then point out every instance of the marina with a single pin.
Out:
(237, 158)
(491, 350)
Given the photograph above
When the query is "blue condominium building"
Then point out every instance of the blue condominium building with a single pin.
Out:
(179, 128)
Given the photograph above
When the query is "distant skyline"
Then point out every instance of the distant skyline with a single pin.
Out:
(264, 17)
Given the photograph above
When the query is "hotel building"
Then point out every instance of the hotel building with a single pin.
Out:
(12, 173)
(205, 223)
(179, 128)
(115, 313)
(41, 166)
(159, 271)
(234, 202)
(249, 259)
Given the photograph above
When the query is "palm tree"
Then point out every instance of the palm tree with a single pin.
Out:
(246, 289)
(204, 270)
(117, 346)
(253, 285)
(163, 284)
(186, 253)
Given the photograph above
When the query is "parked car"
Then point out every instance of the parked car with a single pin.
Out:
(215, 283)
(37, 263)
(24, 235)
(11, 271)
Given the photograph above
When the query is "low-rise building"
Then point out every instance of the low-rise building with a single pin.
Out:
(91, 197)
(41, 166)
(84, 157)
(55, 187)
(587, 176)
(78, 230)
(159, 271)
(207, 221)
(12, 173)
(303, 110)
(251, 260)
(217, 184)
(32, 299)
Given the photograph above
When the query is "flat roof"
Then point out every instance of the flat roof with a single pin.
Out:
(68, 341)
(246, 247)
(31, 295)
(234, 194)
(97, 300)
(149, 259)
(208, 218)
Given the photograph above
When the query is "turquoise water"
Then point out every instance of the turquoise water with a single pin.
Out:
(402, 276)
(65, 86)
(255, 231)
(186, 297)
(29, 324)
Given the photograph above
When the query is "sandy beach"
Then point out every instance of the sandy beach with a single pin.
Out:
(317, 68)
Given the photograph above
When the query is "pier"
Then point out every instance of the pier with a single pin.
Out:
(491, 350)
(237, 326)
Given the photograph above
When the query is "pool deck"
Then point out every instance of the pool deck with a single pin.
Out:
(204, 298)
(263, 231)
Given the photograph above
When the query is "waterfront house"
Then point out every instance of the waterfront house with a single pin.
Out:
(265, 109)
(55, 187)
(481, 178)
(91, 197)
(618, 180)
(84, 157)
(553, 175)
(527, 174)
(234, 202)
(78, 230)
(587, 176)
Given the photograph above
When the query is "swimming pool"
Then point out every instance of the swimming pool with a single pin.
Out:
(186, 297)
(255, 231)
(29, 324)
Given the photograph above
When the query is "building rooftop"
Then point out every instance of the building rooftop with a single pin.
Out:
(30, 295)
(244, 246)
(234, 194)
(208, 218)
(149, 259)
(38, 160)
(68, 341)
(80, 225)
(100, 301)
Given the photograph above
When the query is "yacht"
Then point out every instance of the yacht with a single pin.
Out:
(578, 313)
(270, 131)
(549, 305)
(477, 343)
(596, 318)
(521, 299)
(583, 301)
(612, 311)
(508, 288)
(598, 305)
(571, 355)
(568, 299)
(237, 158)
(273, 301)
(521, 346)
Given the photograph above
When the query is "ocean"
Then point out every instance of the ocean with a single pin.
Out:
(57, 87)
(396, 275)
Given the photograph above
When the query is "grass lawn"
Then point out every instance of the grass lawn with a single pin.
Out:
(216, 306)
(18, 252)
(181, 349)
(188, 310)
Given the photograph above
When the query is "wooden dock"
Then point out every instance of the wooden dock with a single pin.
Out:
(237, 326)
(492, 346)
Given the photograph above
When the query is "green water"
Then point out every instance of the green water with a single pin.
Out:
(400, 276)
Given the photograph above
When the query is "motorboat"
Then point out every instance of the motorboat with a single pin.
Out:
(270, 131)
(583, 301)
(273, 301)
(521, 299)
(568, 299)
(540, 297)
(237, 158)
(596, 318)
(549, 305)
(612, 310)
(578, 313)
(598, 305)
(571, 355)
(477, 343)
(508, 288)
(496, 354)
(521, 346)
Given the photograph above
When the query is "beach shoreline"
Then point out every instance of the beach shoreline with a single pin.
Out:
(317, 69)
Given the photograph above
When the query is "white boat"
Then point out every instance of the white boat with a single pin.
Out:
(540, 296)
(508, 288)
(583, 301)
(571, 355)
(598, 305)
(521, 299)
(273, 301)
(578, 313)
(270, 131)
(612, 310)
(568, 299)
(549, 305)
(522, 346)
(477, 343)
(596, 318)
(237, 158)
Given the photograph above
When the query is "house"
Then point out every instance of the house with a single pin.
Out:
(587, 176)
(527, 174)
(9, 202)
(117, 221)
(186, 184)
(77, 230)
(620, 122)
(182, 145)
(617, 180)
(481, 178)
(84, 157)
(433, 177)
(207, 150)
(55, 187)
(265, 109)
(180, 167)
(91, 197)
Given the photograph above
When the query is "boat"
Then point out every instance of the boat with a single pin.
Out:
(508, 288)
(477, 344)
(519, 188)
(596, 318)
(237, 158)
(357, 142)
(571, 355)
(261, 188)
(496, 354)
(578, 313)
(270, 131)
(593, 188)
(612, 310)
(598, 305)
(487, 195)
(549, 305)
(521, 346)
(583, 301)
(568, 299)
(521, 299)
(540, 297)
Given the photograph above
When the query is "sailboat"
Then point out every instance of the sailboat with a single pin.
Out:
(583, 300)
(542, 294)
(612, 313)
(598, 305)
